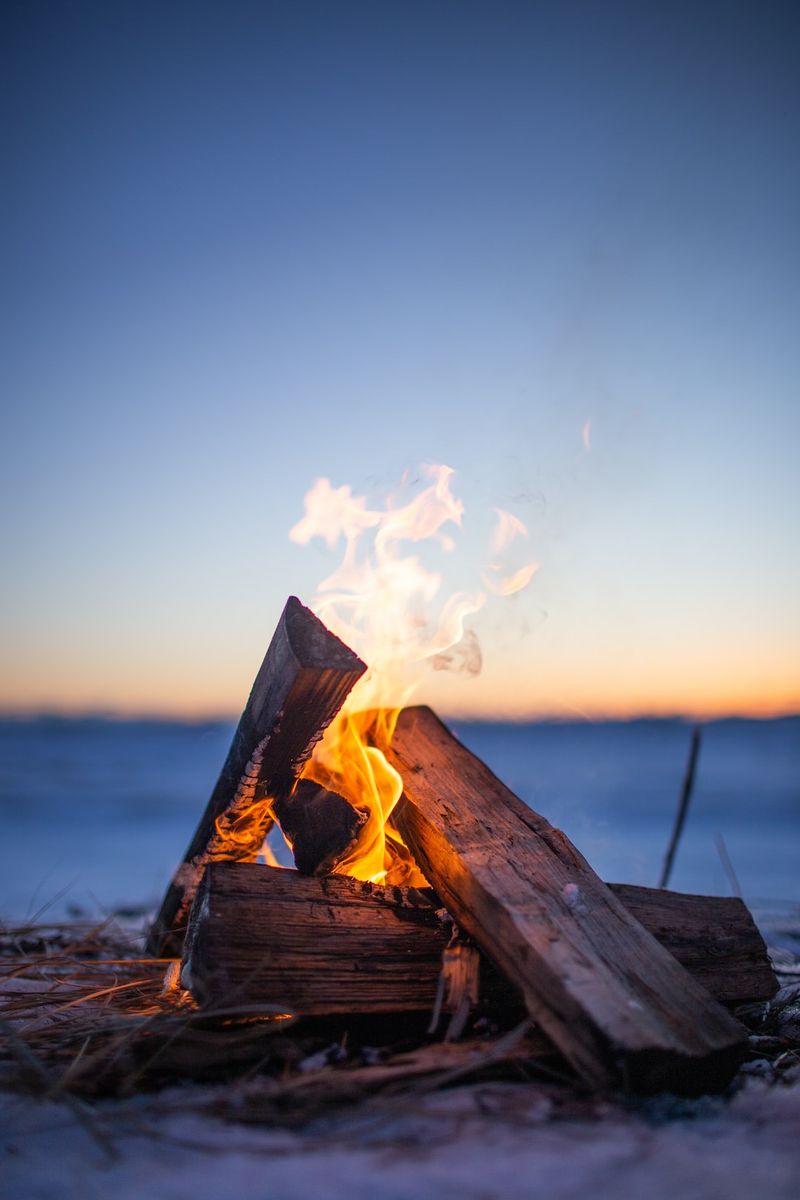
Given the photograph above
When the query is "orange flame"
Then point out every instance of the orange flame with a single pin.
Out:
(384, 602)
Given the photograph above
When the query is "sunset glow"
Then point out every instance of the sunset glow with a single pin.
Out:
(558, 255)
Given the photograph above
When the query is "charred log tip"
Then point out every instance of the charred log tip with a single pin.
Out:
(321, 826)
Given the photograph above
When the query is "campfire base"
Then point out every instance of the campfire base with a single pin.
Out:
(333, 945)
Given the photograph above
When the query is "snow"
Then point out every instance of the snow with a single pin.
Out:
(482, 1141)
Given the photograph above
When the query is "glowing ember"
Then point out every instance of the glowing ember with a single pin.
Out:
(386, 604)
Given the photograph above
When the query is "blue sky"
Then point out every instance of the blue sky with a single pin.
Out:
(246, 245)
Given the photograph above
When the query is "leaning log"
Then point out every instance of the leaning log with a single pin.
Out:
(306, 674)
(262, 935)
(620, 1008)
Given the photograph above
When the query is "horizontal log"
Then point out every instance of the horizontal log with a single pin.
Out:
(262, 935)
(306, 674)
(311, 945)
(714, 937)
(620, 1008)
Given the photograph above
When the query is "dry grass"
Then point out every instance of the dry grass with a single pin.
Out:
(84, 1016)
(81, 1013)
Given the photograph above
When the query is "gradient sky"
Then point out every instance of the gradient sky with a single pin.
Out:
(246, 245)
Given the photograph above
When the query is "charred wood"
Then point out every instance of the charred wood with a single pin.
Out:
(320, 826)
(303, 681)
(311, 945)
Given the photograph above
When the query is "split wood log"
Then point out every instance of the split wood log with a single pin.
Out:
(262, 935)
(306, 674)
(620, 1008)
(322, 945)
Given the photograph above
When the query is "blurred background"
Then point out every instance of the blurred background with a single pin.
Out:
(553, 245)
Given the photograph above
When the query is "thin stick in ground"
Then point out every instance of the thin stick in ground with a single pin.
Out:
(727, 865)
(683, 806)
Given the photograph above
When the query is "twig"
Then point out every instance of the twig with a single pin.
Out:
(683, 806)
(727, 865)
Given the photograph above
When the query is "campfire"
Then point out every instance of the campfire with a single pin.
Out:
(422, 883)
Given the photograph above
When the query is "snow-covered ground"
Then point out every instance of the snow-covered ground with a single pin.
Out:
(482, 1141)
(109, 808)
(97, 813)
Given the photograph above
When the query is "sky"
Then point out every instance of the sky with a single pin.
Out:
(248, 245)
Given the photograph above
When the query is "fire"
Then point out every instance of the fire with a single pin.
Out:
(494, 577)
(385, 602)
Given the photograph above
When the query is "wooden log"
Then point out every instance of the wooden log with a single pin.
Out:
(320, 826)
(313, 945)
(262, 935)
(620, 1008)
(306, 674)
(714, 937)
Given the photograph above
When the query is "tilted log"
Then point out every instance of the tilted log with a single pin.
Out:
(262, 935)
(620, 1008)
(306, 674)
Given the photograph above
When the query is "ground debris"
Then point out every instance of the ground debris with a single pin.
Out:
(101, 1020)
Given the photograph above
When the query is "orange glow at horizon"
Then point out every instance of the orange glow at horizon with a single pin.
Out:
(509, 697)
(704, 680)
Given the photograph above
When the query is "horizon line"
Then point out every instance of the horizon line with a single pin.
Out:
(119, 715)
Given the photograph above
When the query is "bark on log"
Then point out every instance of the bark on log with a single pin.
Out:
(620, 1008)
(306, 674)
(262, 935)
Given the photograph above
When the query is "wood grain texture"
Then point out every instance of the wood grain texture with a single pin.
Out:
(306, 674)
(620, 1008)
(714, 937)
(270, 936)
(311, 945)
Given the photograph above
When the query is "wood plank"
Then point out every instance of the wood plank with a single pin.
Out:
(270, 936)
(306, 674)
(620, 1008)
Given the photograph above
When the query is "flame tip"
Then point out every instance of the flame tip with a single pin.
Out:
(383, 600)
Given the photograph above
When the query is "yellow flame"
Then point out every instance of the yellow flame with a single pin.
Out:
(385, 603)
